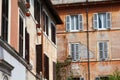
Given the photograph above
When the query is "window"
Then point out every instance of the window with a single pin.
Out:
(46, 67)
(78, 78)
(54, 71)
(102, 78)
(53, 33)
(27, 45)
(5, 11)
(103, 51)
(75, 51)
(39, 58)
(31, 7)
(102, 20)
(37, 10)
(74, 22)
(21, 33)
(46, 23)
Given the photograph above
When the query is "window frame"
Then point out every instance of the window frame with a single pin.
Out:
(23, 18)
(7, 38)
(79, 23)
(107, 19)
(104, 56)
(70, 51)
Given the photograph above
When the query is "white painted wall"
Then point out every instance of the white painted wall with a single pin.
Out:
(19, 71)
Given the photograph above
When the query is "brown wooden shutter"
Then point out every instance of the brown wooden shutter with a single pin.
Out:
(54, 71)
(38, 58)
(46, 67)
(26, 45)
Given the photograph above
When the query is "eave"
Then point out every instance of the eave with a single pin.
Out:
(52, 10)
(84, 4)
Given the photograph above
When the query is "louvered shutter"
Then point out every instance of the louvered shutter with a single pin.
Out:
(68, 23)
(77, 51)
(105, 50)
(108, 20)
(72, 51)
(80, 23)
(101, 50)
(95, 20)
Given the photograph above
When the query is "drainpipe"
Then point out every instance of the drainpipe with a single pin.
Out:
(88, 56)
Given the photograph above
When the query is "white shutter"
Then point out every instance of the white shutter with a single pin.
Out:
(101, 50)
(72, 50)
(68, 23)
(95, 20)
(105, 50)
(80, 21)
(77, 51)
(108, 20)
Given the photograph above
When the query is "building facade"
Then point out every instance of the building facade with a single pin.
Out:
(90, 36)
(28, 42)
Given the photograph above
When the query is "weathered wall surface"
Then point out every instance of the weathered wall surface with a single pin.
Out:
(103, 68)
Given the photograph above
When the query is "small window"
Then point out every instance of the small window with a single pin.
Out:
(75, 51)
(103, 51)
(102, 20)
(74, 22)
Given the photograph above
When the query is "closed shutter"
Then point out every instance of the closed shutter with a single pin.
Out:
(39, 58)
(108, 20)
(77, 51)
(101, 50)
(26, 46)
(95, 20)
(72, 51)
(105, 50)
(68, 23)
(80, 23)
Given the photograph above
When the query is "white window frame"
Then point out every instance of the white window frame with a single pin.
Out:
(96, 21)
(75, 58)
(104, 56)
(80, 23)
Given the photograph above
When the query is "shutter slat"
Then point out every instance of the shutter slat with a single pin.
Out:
(108, 20)
(68, 23)
(95, 20)
(80, 23)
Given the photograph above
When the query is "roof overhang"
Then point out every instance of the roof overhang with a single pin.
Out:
(89, 4)
(52, 10)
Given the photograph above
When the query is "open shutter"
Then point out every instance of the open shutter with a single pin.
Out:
(80, 23)
(108, 20)
(105, 50)
(95, 20)
(68, 23)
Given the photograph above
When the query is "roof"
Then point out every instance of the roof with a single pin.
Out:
(53, 12)
(83, 3)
